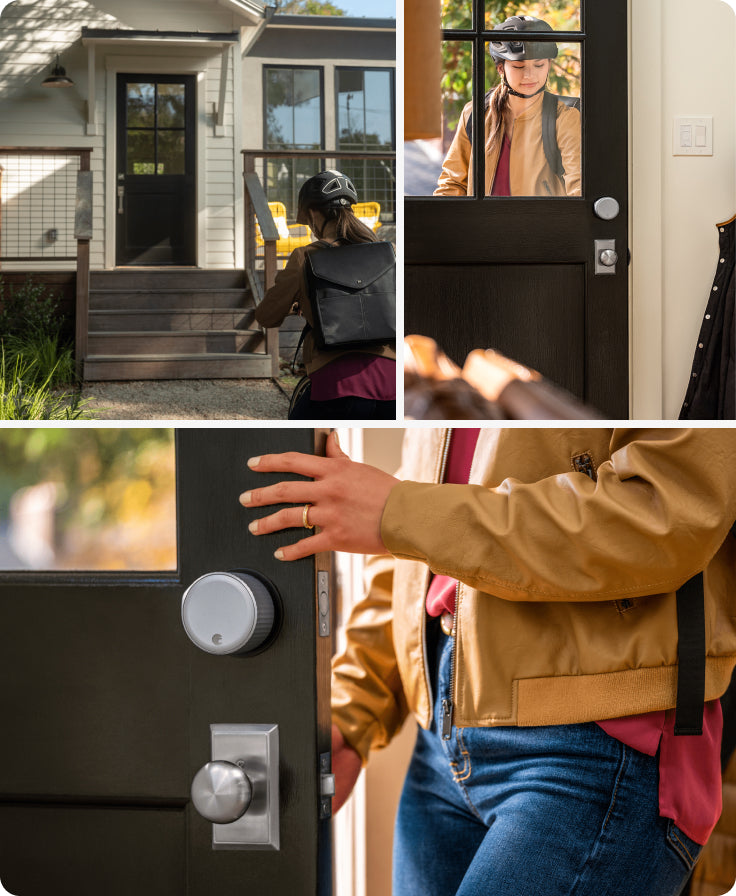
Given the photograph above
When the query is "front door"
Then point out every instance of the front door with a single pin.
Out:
(530, 276)
(106, 704)
(155, 185)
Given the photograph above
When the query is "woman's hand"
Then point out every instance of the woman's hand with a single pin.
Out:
(346, 766)
(346, 501)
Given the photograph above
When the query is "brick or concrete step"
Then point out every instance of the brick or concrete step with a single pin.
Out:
(176, 367)
(172, 319)
(185, 342)
(123, 299)
(166, 278)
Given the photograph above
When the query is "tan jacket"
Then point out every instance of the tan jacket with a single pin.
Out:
(530, 174)
(566, 607)
(289, 287)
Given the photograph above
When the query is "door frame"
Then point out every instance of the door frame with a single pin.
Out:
(175, 65)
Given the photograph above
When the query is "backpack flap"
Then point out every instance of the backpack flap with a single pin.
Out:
(352, 292)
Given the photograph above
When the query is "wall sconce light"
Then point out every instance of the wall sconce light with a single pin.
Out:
(52, 235)
(58, 77)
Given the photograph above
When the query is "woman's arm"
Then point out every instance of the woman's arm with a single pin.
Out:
(569, 141)
(453, 181)
(287, 289)
(661, 507)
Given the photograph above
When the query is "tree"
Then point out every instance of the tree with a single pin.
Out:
(311, 8)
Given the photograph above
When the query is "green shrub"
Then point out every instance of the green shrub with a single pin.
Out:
(28, 308)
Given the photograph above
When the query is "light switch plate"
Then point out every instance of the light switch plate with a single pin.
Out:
(692, 135)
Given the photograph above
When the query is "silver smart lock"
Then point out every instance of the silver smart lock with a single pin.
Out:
(235, 612)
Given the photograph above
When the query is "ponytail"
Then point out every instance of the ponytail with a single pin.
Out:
(349, 228)
(499, 106)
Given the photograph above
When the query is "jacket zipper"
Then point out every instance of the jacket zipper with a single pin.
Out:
(441, 476)
(448, 707)
(447, 702)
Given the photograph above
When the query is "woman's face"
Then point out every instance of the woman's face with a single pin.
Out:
(527, 77)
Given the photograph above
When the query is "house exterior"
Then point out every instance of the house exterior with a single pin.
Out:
(165, 98)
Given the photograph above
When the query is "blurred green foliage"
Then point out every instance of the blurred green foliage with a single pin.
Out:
(106, 481)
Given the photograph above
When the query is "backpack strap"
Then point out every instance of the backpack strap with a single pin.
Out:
(549, 134)
(690, 657)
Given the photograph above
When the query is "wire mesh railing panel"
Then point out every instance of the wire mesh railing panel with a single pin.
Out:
(37, 203)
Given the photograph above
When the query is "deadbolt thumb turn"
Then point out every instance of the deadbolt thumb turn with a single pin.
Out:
(236, 612)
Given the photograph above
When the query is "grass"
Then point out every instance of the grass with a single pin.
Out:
(22, 397)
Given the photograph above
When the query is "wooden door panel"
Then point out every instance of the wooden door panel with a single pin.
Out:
(85, 646)
(534, 314)
(75, 849)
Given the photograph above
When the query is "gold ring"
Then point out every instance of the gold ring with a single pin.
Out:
(305, 517)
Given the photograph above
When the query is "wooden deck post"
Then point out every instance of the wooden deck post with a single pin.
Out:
(83, 234)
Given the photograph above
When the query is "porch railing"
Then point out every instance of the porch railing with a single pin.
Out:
(46, 215)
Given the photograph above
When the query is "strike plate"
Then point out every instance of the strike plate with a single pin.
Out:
(257, 746)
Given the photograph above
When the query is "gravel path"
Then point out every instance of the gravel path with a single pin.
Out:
(186, 400)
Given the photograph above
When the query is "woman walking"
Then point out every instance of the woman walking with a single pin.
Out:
(347, 383)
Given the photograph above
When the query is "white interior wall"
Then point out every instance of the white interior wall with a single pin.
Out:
(676, 200)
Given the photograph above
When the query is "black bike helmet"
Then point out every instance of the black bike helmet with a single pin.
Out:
(328, 189)
(518, 50)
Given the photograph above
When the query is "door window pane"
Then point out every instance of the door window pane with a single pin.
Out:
(171, 152)
(141, 105)
(87, 499)
(171, 105)
(561, 15)
(423, 158)
(141, 152)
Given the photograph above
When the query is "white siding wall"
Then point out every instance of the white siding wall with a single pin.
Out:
(30, 37)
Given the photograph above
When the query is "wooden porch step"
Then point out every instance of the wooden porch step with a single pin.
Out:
(152, 279)
(147, 319)
(176, 367)
(120, 299)
(187, 342)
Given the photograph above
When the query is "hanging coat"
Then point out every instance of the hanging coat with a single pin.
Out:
(711, 392)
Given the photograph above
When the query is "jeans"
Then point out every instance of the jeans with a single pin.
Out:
(348, 408)
(540, 811)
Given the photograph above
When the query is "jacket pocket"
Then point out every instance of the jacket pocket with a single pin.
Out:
(688, 850)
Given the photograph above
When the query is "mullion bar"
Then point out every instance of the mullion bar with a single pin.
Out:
(549, 36)
(479, 85)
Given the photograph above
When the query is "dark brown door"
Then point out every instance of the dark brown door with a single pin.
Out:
(519, 274)
(156, 164)
(106, 707)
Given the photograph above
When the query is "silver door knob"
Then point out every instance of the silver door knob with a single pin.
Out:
(221, 792)
(608, 257)
(606, 208)
(228, 612)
